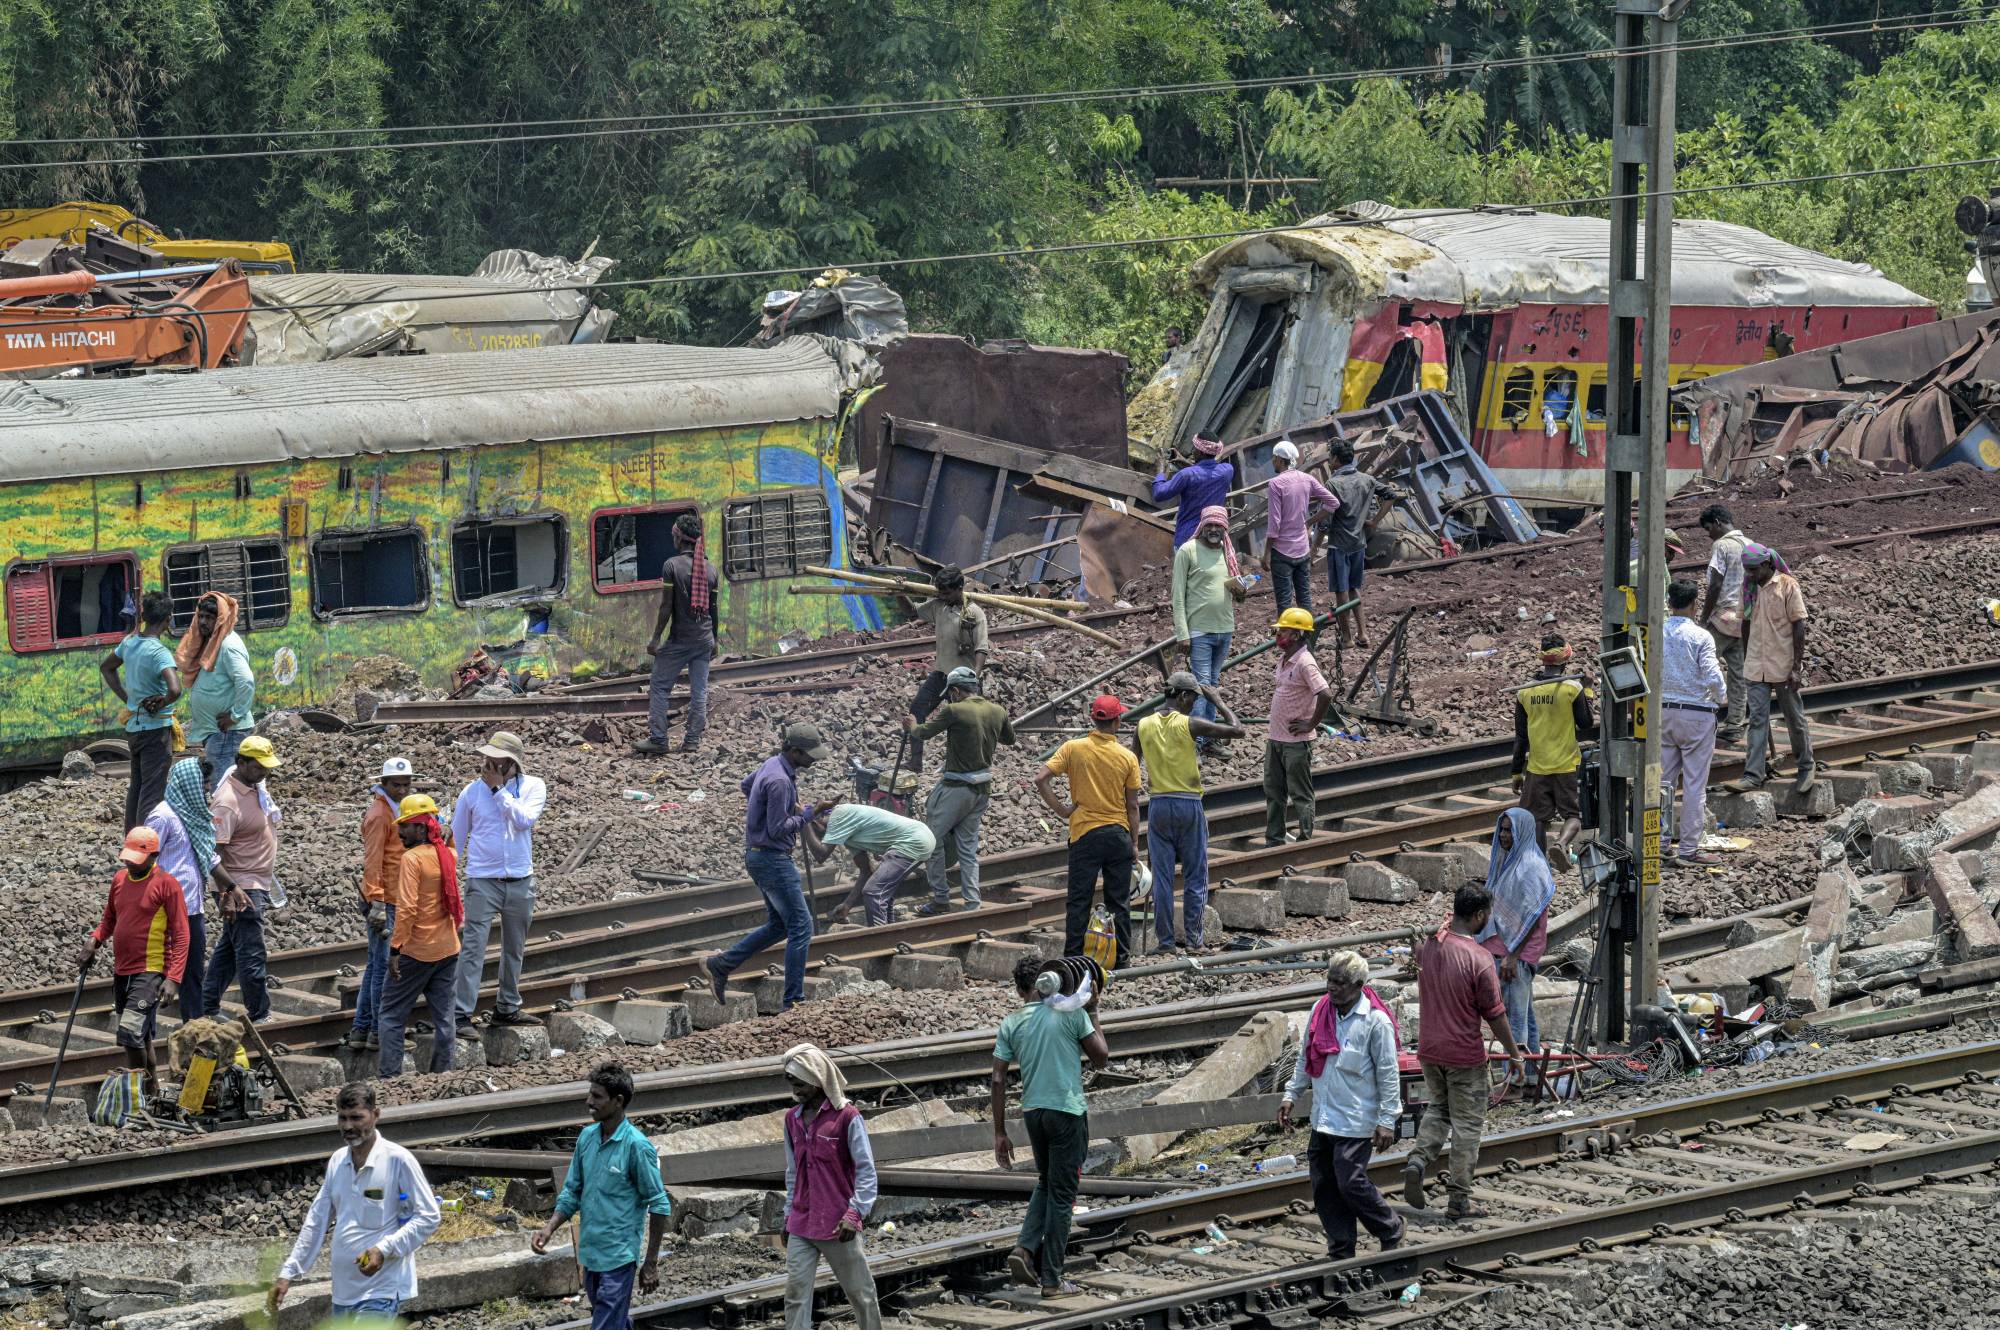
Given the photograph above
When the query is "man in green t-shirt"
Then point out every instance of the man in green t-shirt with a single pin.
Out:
(1048, 1043)
(885, 845)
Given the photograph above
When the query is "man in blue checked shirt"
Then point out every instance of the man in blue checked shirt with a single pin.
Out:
(613, 1184)
(1349, 1059)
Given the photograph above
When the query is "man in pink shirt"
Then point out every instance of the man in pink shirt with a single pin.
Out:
(1287, 544)
(1300, 697)
(1456, 989)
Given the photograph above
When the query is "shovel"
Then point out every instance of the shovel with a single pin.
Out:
(75, 1001)
(896, 773)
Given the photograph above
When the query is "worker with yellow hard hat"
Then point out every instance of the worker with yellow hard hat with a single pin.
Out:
(423, 949)
(1300, 697)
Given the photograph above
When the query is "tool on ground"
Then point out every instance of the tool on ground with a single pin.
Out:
(256, 1041)
(1381, 690)
(75, 1001)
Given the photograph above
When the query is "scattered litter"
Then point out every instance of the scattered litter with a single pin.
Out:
(1873, 1140)
(888, 1226)
(1717, 843)
(1411, 1294)
(697, 796)
(637, 796)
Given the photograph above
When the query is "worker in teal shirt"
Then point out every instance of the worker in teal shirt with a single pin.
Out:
(141, 674)
(613, 1183)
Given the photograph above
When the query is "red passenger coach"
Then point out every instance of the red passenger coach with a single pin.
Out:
(1506, 309)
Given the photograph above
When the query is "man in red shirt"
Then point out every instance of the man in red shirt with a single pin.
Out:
(1456, 989)
(146, 921)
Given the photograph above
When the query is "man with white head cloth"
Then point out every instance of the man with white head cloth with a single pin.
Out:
(829, 1189)
(1288, 499)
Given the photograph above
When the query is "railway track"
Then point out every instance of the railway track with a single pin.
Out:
(1374, 807)
(1251, 1253)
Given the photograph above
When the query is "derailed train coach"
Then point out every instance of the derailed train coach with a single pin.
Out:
(1504, 308)
(409, 506)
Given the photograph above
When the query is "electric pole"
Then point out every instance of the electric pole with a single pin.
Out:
(1635, 494)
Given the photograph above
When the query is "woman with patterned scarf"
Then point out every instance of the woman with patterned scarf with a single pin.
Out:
(187, 852)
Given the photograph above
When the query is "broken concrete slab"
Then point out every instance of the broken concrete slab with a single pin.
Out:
(1958, 903)
(1896, 812)
(1811, 985)
(645, 1021)
(1248, 909)
(466, 1054)
(1474, 858)
(1745, 931)
(1370, 881)
(511, 1045)
(1755, 808)
(581, 1031)
(1872, 961)
(1899, 777)
(1913, 925)
(1815, 804)
(1744, 965)
(768, 991)
(307, 1073)
(1949, 771)
(1985, 755)
(1883, 892)
(1235, 1063)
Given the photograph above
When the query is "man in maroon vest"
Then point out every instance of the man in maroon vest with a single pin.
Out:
(829, 1190)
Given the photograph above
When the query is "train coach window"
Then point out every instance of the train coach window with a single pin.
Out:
(1517, 396)
(1593, 402)
(776, 535)
(509, 558)
(71, 602)
(363, 572)
(628, 545)
(252, 572)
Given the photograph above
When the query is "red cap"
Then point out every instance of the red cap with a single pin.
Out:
(1106, 707)
(141, 843)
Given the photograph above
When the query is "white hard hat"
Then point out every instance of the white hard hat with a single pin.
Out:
(1144, 886)
(1286, 449)
(396, 766)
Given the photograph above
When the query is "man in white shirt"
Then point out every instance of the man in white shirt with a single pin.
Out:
(1693, 694)
(380, 1208)
(1722, 611)
(493, 828)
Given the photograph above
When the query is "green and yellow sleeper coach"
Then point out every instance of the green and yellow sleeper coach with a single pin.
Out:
(408, 506)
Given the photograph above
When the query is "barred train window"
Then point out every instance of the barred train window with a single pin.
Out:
(252, 572)
(775, 535)
(508, 558)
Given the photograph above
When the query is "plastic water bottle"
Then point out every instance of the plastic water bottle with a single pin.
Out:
(1411, 1294)
(1277, 1163)
(1200, 1170)
(483, 1193)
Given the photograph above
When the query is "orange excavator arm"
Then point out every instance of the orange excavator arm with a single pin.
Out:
(52, 322)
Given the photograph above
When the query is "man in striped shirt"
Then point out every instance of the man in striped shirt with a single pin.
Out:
(145, 920)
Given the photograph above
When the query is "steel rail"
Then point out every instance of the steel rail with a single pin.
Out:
(964, 1056)
(616, 931)
(973, 1255)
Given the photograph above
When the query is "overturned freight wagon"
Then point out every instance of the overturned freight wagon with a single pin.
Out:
(1506, 310)
(411, 506)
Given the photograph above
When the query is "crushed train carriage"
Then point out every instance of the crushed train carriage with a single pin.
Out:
(1506, 309)
(408, 505)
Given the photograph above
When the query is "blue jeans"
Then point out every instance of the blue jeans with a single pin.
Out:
(375, 975)
(367, 1311)
(220, 749)
(786, 915)
(238, 958)
(1520, 999)
(1177, 833)
(610, 1296)
(1206, 652)
(675, 657)
(197, 962)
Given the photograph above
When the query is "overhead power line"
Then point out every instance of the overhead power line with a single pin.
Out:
(1093, 246)
(647, 124)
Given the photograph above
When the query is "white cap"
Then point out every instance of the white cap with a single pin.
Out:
(396, 766)
(1286, 449)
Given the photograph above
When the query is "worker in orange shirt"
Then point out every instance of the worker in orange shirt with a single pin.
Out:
(423, 949)
(381, 860)
(146, 922)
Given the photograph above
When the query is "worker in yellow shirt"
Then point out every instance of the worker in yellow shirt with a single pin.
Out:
(1551, 716)
(1103, 815)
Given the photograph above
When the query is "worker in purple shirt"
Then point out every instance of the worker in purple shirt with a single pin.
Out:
(1287, 542)
(771, 822)
(1204, 483)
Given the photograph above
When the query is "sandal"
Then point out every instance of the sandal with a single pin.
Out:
(1020, 1267)
(1062, 1290)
